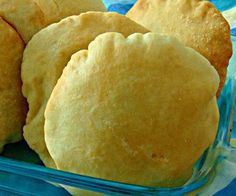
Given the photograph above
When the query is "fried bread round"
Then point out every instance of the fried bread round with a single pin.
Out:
(130, 110)
(47, 54)
(12, 103)
(198, 24)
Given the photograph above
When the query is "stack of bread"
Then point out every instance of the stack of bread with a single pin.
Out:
(110, 98)
(19, 21)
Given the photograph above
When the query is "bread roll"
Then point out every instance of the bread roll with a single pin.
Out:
(198, 24)
(129, 110)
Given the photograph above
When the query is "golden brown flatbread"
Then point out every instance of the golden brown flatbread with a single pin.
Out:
(12, 104)
(196, 23)
(130, 110)
(47, 54)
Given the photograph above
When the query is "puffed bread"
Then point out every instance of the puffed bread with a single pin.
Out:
(12, 104)
(130, 110)
(47, 54)
(196, 23)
